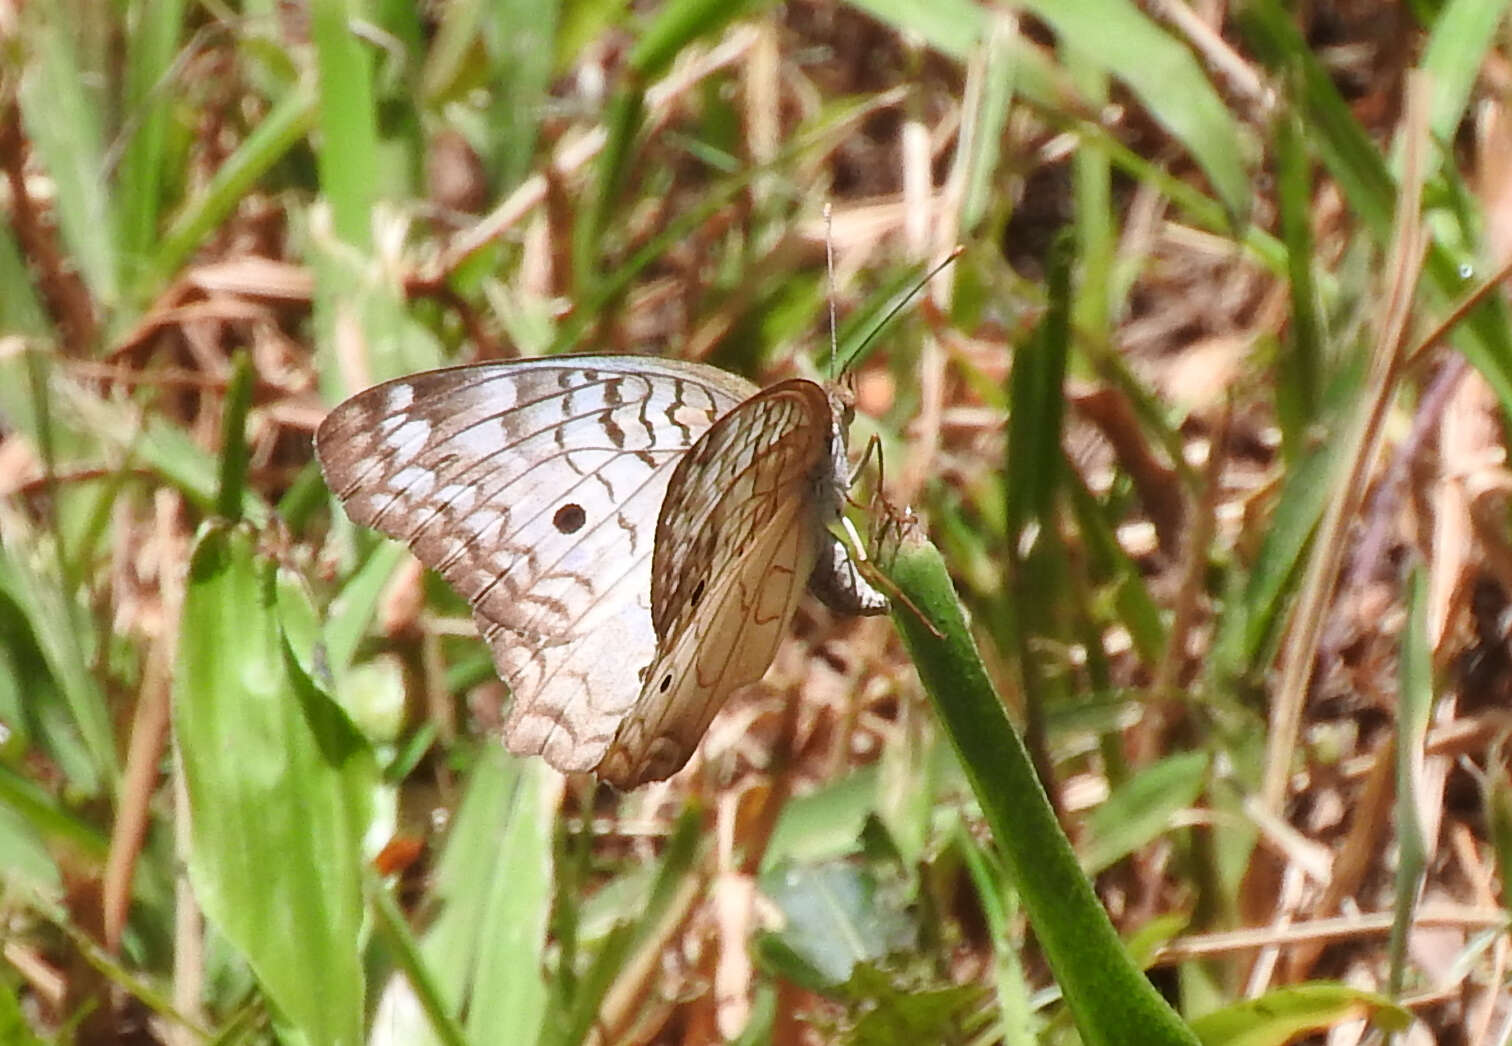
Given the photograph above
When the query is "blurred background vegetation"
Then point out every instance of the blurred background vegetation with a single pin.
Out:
(1207, 418)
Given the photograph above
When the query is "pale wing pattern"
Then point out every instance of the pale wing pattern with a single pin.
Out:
(530, 486)
(737, 538)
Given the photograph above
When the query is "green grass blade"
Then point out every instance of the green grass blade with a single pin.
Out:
(20, 311)
(507, 988)
(862, 331)
(1016, 1018)
(1286, 1014)
(485, 948)
(1120, 38)
(1496, 807)
(48, 818)
(677, 25)
(285, 125)
(151, 50)
(1346, 150)
(520, 39)
(158, 445)
(1414, 708)
(952, 26)
(997, 74)
(1109, 564)
(1140, 809)
(1092, 210)
(570, 1020)
(1299, 367)
(1037, 405)
(351, 611)
(1365, 179)
(39, 601)
(434, 1022)
(65, 126)
(622, 121)
(14, 1027)
(451, 48)
(1246, 630)
(348, 128)
(234, 452)
(1457, 44)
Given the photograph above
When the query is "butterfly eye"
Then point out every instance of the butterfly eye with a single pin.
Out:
(569, 519)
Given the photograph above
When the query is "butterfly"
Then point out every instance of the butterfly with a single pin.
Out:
(632, 533)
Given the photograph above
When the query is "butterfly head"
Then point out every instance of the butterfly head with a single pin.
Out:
(842, 400)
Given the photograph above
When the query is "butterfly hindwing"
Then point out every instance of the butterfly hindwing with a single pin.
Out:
(738, 536)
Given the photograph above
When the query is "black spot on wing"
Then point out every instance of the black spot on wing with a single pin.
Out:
(569, 519)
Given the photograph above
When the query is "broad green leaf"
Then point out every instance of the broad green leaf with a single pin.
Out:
(279, 786)
(896, 1012)
(825, 823)
(834, 921)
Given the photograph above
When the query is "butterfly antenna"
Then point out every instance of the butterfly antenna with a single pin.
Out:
(899, 304)
(829, 270)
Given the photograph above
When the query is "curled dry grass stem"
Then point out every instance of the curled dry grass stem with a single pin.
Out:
(1365, 430)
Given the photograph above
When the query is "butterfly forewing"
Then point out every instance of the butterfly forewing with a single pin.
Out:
(736, 540)
(530, 486)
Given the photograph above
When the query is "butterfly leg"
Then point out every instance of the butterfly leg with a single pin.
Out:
(873, 446)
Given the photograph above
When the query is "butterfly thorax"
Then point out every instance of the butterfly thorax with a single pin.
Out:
(836, 581)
